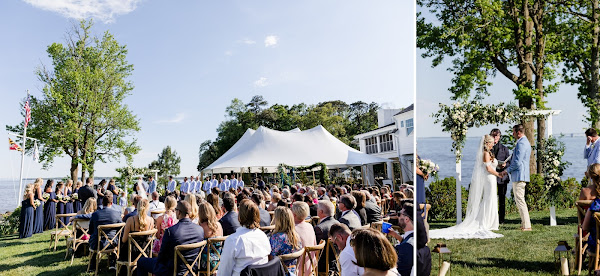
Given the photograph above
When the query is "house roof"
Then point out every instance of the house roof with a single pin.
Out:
(409, 108)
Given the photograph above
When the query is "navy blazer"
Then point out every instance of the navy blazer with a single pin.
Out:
(404, 250)
(230, 223)
(103, 217)
(184, 232)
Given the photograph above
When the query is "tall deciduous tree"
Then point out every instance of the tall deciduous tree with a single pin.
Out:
(485, 38)
(168, 163)
(81, 112)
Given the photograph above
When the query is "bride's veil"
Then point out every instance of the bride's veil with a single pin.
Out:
(477, 181)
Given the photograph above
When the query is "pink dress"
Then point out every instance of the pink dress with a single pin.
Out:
(308, 238)
(167, 222)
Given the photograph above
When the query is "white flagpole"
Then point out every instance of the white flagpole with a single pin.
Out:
(22, 161)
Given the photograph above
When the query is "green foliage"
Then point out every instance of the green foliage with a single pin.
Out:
(551, 152)
(342, 120)
(442, 197)
(127, 177)
(81, 112)
(323, 173)
(536, 193)
(168, 164)
(9, 224)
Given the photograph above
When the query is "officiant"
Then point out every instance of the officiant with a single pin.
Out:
(501, 153)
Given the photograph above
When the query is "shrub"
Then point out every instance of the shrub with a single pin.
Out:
(536, 193)
(441, 195)
(9, 223)
(569, 193)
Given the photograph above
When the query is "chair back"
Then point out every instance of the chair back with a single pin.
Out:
(314, 221)
(425, 207)
(330, 247)
(267, 229)
(82, 226)
(179, 256)
(310, 252)
(60, 224)
(271, 268)
(112, 244)
(291, 256)
(377, 225)
(582, 206)
(213, 248)
(132, 240)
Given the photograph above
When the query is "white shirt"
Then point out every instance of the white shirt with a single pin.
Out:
(346, 261)
(243, 248)
(156, 205)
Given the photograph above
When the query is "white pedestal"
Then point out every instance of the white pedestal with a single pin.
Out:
(552, 215)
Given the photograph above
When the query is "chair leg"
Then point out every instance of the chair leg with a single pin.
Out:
(89, 261)
(98, 258)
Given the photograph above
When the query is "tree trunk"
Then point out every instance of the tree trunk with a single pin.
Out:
(527, 77)
(74, 166)
(595, 63)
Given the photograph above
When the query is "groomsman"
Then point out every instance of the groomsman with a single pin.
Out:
(172, 185)
(192, 187)
(184, 188)
(501, 152)
(224, 186)
(198, 185)
(592, 147)
(519, 173)
(234, 182)
(240, 182)
(151, 185)
(214, 181)
(207, 185)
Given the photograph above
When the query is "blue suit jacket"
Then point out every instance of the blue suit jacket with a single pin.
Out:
(184, 232)
(230, 223)
(519, 165)
(404, 250)
(103, 217)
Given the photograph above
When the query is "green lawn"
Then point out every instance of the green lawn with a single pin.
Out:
(517, 253)
(31, 256)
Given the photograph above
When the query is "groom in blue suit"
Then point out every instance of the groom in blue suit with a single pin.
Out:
(519, 174)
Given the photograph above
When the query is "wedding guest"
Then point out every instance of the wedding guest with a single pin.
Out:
(265, 217)
(184, 232)
(340, 235)
(135, 199)
(87, 190)
(27, 213)
(247, 246)
(347, 216)
(88, 209)
(325, 212)
(589, 192)
(372, 210)
(107, 215)
(360, 206)
(156, 205)
(285, 239)
(305, 231)
(589, 224)
(123, 200)
(212, 228)
(140, 222)
(404, 249)
(592, 147)
(213, 199)
(165, 221)
(193, 211)
(230, 221)
(38, 222)
(274, 201)
(50, 206)
(380, 261)
(501, 153)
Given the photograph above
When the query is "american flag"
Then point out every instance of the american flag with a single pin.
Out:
(27, 112)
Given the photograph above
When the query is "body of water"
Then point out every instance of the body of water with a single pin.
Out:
(439, 150)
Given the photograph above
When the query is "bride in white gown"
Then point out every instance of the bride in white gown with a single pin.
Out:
(482, 207)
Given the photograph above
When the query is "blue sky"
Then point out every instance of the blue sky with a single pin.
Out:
(432, 89)
(192, 58)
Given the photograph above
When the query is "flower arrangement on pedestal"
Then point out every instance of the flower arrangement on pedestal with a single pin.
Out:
(551, 153)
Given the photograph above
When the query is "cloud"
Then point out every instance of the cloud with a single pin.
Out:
(228, 53)
(104, 10)
(178, 119)
(248, 41)
(262, 82)
(271, 41)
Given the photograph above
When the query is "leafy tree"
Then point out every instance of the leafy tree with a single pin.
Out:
(81, 112)
(515, 38)
(167, 163)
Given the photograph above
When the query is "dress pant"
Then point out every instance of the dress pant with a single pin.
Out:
(501, 202)
(519, 193)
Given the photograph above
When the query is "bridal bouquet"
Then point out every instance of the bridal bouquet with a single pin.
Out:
(59, 197)
(36, 203)
(45, 196)
(428, 167)
(66, 198)
(75, 196)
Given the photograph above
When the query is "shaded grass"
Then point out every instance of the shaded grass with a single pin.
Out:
(517, 253)
(31, 256)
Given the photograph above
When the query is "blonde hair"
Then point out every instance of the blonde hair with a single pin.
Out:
(69, 183)
(487, 139)
(300, 209)
(90, 206)
(594, 173)
(284, 222)
(79, 183)
(170, 203)
(38, 182)
(206, 213)
(28, 190)
(142, 208)
(191, 199)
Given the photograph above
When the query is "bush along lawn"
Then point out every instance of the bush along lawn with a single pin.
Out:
(517, 253)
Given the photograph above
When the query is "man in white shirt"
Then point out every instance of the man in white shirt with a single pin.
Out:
(183, 189)
(156, 205)
(227, 183)
(199, 185)
(192, 187)
(224, 186)
(405, 247)
(248, 245)
(340, 235)
(207, 186)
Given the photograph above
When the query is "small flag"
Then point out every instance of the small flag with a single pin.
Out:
(36, 153)
(27, 111)
(13, 145)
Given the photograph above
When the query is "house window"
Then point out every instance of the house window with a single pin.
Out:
(371, 145)
(409, 126)
(387, 144)
(402, 124)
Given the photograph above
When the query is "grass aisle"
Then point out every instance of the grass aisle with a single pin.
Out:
(31, 256)
(517, 253)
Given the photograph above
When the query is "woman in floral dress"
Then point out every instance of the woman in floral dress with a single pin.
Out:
(165, 221)
(285, 239)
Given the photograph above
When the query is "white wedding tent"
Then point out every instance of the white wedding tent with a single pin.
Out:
(268, 148)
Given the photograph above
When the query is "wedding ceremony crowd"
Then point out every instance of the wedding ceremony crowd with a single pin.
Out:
(226, 227)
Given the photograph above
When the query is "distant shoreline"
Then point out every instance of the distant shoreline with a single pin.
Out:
(556, 134)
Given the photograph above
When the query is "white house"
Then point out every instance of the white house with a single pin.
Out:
(392, 139)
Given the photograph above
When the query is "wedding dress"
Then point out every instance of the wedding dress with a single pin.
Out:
(482, 207)
(140, 190)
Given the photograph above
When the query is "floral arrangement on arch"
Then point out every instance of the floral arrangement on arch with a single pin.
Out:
(458, 117)
(551, 153)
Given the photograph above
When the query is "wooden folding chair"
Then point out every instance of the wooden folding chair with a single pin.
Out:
(212, 248)
(267, 229)
(309, 256)
(111, 246)
(82, 226)
(330, 247)
(291, 256)
(62, 231)
(580, 238)
(425, 207)
(188, 247)
(131, 264)
(377, 225)
(155, 213)
(314, 221)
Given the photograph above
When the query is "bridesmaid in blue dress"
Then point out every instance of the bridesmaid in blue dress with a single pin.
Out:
(61, 205)
(38, 223)
(112, 188)
(50, 206)
(77, 203)
(69, 204)
(27, 210)
(420, 187)
(100, 190)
